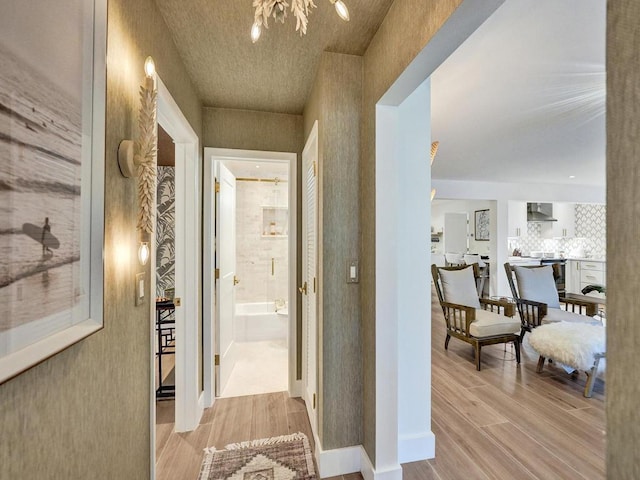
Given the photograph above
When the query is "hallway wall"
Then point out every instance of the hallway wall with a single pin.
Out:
(85, 412)
(623, 210)
(335, 101)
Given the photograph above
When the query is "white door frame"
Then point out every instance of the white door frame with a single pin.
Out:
(189, 401)
(211, 155)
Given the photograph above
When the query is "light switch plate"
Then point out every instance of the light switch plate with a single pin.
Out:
(139, 287)
(353, 271)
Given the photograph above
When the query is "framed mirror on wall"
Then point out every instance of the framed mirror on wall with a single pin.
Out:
(52, 134)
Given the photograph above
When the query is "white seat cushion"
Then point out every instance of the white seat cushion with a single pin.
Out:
(459, 287)
(488, 324)
(537, 284)
(558, 315)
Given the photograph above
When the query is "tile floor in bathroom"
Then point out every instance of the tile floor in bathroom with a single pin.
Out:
(262, 367)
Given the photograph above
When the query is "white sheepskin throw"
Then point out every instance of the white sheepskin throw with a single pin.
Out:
(573, 344)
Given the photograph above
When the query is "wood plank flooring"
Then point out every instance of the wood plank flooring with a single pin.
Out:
(230, 420)
(504, 422)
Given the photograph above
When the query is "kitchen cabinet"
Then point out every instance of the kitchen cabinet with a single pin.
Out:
(565, 227)
(582, 273)
(516, 219)
(572, 276)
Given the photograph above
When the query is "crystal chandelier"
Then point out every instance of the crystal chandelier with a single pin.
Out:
(278, 10)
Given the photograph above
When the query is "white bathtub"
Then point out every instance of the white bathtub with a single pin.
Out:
(259, 321)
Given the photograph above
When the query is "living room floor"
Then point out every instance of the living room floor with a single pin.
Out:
(503, 422)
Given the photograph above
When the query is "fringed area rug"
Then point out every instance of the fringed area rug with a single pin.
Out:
(279, 458)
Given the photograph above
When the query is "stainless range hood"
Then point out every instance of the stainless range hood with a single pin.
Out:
(540, 212)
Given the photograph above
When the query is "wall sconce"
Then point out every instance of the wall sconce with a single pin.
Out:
(143, 253)
(138, 159)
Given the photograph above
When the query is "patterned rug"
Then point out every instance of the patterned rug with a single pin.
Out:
(279, 458)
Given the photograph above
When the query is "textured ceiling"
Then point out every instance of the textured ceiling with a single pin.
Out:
(276, 73)
(523, 99)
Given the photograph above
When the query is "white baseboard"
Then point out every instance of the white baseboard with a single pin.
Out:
(370, 473)
(338, 461)
(342, 461)
(412, 448)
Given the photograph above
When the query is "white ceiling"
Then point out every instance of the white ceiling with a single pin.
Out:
(258, 169)
(523, 100)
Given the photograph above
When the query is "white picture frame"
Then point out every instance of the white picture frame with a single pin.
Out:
(52, 136)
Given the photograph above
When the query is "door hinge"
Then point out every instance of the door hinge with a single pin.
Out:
(217, 273)
(217, 186)
(216, 360)
(315, 171)
(314, 284)
(314, 401)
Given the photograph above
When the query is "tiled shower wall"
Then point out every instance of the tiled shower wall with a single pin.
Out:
(254, 249)
(165, 230)
(590, 234)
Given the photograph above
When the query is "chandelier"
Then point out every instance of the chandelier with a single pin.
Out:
(278, 10)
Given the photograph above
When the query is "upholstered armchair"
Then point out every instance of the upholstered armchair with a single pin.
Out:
(478, 321)
(537, 300)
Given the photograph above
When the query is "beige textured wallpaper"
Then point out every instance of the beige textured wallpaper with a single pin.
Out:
(407, 28)
(335, 102)
(85, 412)
(623, 230)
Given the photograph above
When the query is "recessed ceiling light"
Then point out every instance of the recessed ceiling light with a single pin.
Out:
(257, 166)
(572, 176)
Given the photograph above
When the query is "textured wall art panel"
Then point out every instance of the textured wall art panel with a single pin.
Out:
(165, 230)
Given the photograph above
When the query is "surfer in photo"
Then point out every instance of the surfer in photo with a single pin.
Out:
(46, 228)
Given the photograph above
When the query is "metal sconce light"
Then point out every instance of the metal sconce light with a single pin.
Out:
(138, 159)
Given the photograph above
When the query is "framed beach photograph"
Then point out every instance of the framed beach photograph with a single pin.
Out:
(52, 133)
(482, 225)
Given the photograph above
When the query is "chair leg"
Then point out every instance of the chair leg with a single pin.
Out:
(446, 341)
(516, 343)
(591, 377)
(540, 364)
(478, 348)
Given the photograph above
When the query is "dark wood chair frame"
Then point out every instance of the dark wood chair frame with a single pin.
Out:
(532, 313)
(458, 318)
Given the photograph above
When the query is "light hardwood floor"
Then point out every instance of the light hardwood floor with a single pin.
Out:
(230, 420)
(504, 422)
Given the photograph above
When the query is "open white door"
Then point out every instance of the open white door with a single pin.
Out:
(226, 262)
(456, 232)
(309, 264)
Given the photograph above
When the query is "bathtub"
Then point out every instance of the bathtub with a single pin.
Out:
(255, 322)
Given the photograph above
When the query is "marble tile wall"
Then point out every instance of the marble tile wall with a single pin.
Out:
(255, 247)
(590, 234)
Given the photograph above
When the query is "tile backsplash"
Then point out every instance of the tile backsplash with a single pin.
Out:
(590, 235)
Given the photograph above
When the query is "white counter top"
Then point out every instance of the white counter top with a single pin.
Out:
(585, 259)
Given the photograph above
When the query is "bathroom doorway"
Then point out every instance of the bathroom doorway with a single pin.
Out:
(254, 273)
